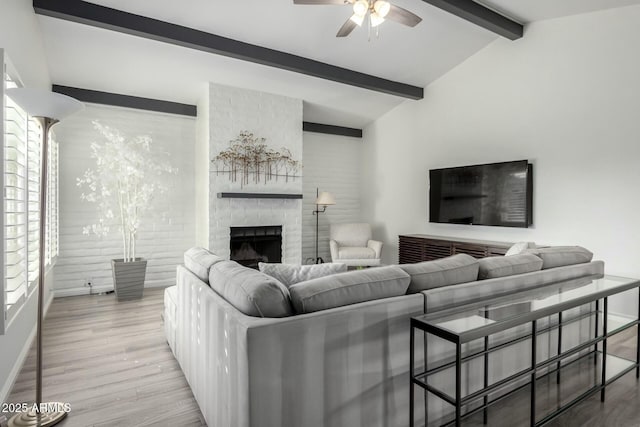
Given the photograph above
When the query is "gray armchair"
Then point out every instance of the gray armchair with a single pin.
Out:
(351, 244)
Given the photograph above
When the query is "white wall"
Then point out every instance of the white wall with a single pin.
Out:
(331, 163)
(162, 239)
(566, 97)
(21, 38)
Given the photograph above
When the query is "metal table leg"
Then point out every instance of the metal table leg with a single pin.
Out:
(604, 348)
(425, 336)
(458, 383)
(411, 384)
(595, 347)
(534, 349)
(485, 414)
(638, 340)
(559, 347)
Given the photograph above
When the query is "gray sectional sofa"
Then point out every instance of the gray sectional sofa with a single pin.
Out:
(334, 350)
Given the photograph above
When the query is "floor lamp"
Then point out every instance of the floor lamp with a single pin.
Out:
(323, 199)
(48, 108)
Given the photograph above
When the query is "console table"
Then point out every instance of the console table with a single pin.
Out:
(465, 324)
(421, 247)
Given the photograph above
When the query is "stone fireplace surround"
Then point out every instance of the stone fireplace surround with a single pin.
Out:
(258, 212)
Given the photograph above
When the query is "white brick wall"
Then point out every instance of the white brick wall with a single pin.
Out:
(334, 164)
(162, 240)
(279, 120)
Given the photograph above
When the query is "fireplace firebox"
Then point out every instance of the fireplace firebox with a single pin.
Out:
(251, 245)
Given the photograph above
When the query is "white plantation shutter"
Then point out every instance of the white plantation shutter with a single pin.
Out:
(20, 209)
(14, 206)
(33, 197)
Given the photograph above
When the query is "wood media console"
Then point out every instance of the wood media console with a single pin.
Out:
(420, 247)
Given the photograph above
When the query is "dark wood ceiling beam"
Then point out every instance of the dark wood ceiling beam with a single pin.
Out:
(128, 23)
(127, 101)
(331, 129)
(482, 16)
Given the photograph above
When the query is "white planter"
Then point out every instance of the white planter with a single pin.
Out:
(128, 278)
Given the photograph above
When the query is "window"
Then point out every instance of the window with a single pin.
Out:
(14, 206)
(20, 179)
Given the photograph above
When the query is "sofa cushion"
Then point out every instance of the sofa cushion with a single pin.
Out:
(559, 256)
(520, 247)
(199, 261)
(452, 270)
(501, 266)
(290, 274)
(467, 293)
(347, 252)
(348, 288)
(250, 291)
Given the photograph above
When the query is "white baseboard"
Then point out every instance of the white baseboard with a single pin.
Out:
(84, 290)
(22, 357)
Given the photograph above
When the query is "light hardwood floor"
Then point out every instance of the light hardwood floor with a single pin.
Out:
(110, 360)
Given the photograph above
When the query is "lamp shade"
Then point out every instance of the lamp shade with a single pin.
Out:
(358, 19)
(376, 19)
(44, 103)
(382, 8)
(325, 198)
(361, 7)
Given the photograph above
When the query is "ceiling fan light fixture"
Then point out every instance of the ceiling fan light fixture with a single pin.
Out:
(357, 19)
(360, 8)
(382, 8)
(376, 19)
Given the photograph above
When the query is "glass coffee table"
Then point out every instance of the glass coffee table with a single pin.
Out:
(477, 322)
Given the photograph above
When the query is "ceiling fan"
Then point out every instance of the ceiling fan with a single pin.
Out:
(377, 10)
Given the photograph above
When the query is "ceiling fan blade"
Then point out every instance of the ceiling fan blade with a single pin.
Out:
(403, 16)
(319, 2)
(346, 28)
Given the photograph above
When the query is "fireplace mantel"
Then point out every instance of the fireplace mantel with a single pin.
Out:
(259, 196)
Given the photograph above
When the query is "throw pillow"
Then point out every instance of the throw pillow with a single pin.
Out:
(349, 288)
(559, 256)
(199, 262)
(519, 248)
(501, 266)
(290, 274)
(250, 291)
(460, 268)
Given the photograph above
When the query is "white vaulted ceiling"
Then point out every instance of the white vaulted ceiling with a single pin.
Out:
(93, 58)
(538, 10)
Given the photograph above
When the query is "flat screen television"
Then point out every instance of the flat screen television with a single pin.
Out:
(495, 194)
